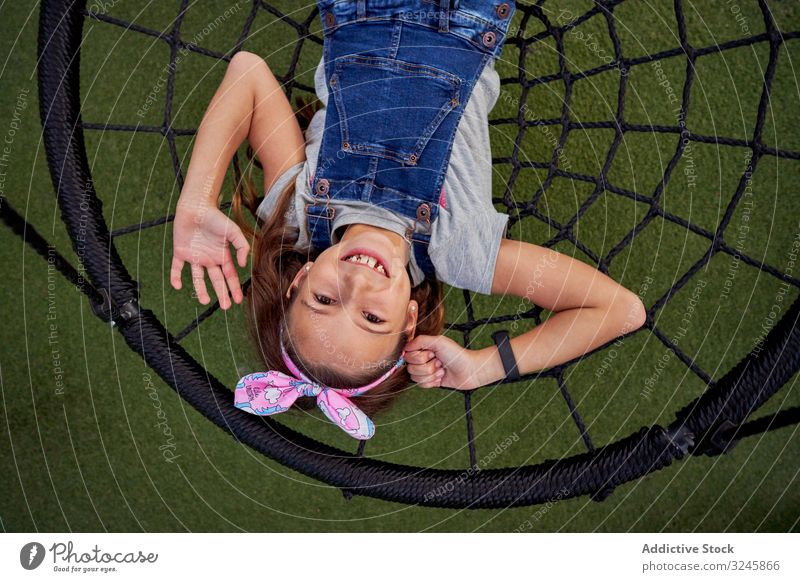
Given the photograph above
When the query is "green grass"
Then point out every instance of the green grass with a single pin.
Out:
(88, 457)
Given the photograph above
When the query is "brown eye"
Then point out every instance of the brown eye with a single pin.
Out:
(323, 299)
(372, 318)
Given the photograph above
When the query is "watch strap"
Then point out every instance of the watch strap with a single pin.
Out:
(503, 343)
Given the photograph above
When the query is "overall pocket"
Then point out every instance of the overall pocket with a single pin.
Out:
(390, 108)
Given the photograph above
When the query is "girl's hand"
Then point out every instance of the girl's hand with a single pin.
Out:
(201, 236)
(437, 361)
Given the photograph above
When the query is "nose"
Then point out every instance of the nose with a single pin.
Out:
(359, 277)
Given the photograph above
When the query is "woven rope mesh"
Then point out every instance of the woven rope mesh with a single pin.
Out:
(583, 163)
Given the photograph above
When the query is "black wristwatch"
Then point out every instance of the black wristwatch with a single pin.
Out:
(506, 354)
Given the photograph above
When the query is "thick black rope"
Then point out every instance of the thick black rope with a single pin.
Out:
(708, 420)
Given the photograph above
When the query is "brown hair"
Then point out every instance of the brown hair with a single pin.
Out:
(276, 261)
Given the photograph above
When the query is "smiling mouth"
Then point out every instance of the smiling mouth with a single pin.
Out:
(367, 260)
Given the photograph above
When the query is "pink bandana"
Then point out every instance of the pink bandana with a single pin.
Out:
(266, 393)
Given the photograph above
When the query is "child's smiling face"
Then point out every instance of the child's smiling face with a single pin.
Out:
(354, 303)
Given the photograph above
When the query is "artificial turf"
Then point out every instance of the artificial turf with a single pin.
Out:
(83, 445)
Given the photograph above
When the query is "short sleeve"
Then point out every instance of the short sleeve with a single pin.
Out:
(467, 259)
(267, 206)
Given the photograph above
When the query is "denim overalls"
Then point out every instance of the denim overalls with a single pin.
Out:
(400, 73)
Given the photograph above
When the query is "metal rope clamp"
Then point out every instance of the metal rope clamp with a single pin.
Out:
(109, 312)
(680, 438)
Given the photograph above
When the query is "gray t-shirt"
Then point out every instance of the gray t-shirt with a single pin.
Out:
(465, 237)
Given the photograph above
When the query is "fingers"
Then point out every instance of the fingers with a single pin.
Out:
(242, 247)
(421, 342)
(232, 278)
(419, 356)
(218, 281)
(427, 372)
(430, 380)
(426, 342)
(221, 279)
(175, 273)
(200, 285)
(424, 369)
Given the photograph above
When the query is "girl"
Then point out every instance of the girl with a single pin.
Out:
(381, 196)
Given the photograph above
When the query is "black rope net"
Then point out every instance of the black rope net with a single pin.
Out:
(710, 424)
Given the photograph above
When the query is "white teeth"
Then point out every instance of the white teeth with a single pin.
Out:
(369, 261)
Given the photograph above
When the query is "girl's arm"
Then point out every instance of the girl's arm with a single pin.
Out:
(589, 308)
(249, 103)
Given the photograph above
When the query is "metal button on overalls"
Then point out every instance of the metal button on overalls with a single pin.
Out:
(424, 212)
(323, 187)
